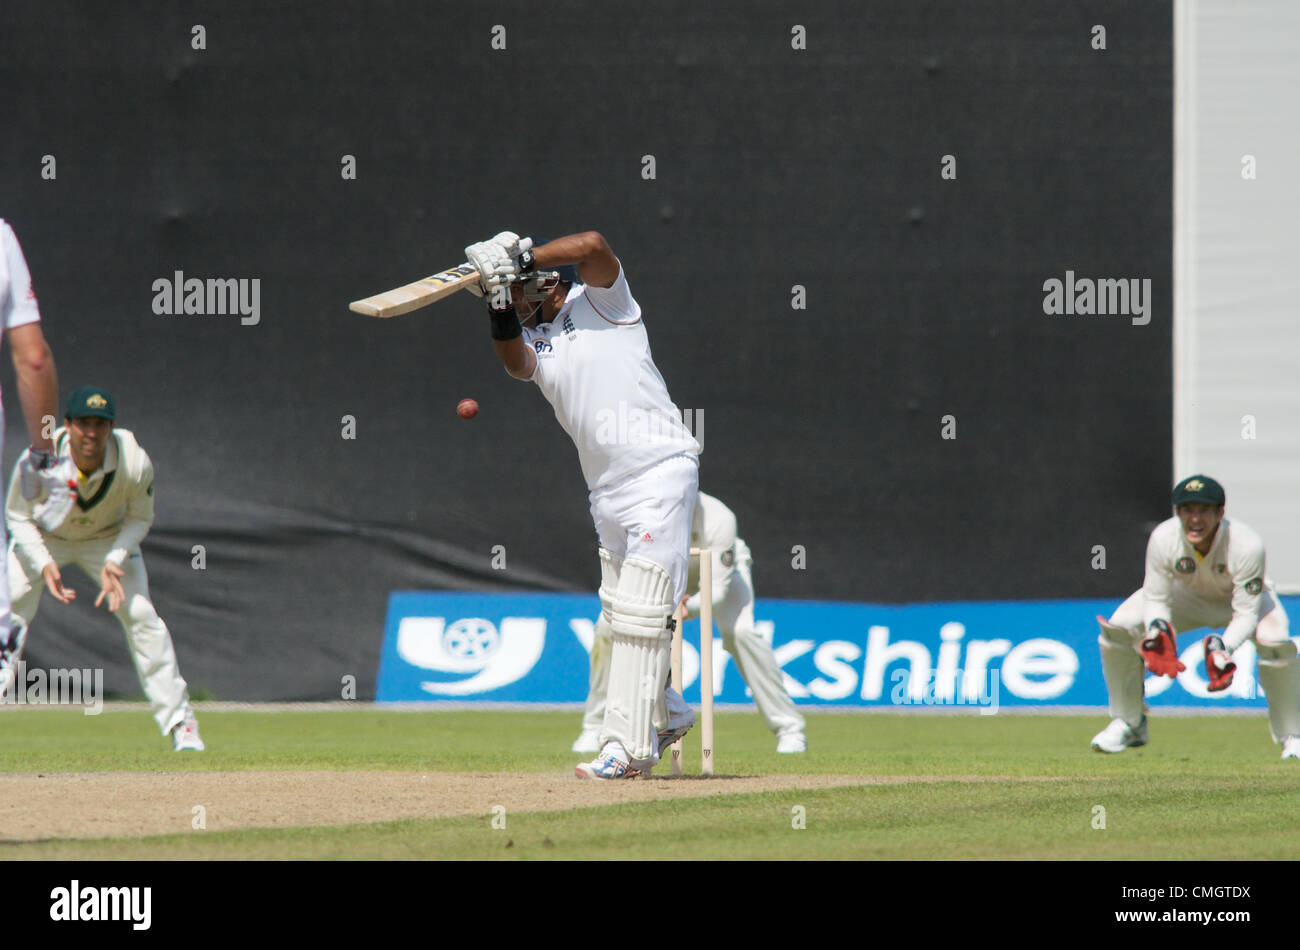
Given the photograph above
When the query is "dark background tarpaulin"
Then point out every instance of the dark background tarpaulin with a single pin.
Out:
(774, 167)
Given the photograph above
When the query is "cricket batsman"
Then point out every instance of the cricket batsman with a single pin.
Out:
(713, 526)
(1203, 570)
(563, 317)
(99, 528)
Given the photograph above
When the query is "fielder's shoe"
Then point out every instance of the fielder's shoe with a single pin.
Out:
(185, 735)
(1291, 747)
(792, 743)
(612, 763)
(1119, 735)
(588, 742)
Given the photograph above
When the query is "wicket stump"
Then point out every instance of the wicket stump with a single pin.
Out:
(706, 666)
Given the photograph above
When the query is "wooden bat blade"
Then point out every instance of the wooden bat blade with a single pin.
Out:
(410, 297)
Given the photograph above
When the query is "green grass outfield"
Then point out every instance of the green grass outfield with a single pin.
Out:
(1199, 773)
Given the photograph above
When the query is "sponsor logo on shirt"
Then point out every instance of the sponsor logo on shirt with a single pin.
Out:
(543, 347)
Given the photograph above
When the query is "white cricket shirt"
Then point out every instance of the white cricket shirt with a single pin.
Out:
(1228, 581)
(594, 367)
(17, 297)
(114, 502)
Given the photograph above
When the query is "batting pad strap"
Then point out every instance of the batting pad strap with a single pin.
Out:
(642, 605)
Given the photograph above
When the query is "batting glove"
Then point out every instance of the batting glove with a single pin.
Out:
(30, 465)
(59, 486)
(1160, 651)
(494, 265)
(1217, 664)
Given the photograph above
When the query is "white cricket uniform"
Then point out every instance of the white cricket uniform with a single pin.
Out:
(714, 527)
(1225, 588)
(641, 465)
(112, 515)
(18, 306)
(639, 459)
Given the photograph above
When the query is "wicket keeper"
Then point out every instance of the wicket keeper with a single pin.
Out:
(1203, 570)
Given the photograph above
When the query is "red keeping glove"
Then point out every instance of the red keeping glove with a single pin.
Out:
(1217, 665)
(1161, 650)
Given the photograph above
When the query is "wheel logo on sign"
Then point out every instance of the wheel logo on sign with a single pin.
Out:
(471, 638)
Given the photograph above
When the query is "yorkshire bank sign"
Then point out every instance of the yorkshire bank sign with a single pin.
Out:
(987, 656)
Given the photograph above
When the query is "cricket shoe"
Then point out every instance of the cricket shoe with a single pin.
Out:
(11, 648)
(588, 743)
(1291, 747)
(185, 735)
(681, 719)
(608, 765)
(792, 743)
(1119, 735)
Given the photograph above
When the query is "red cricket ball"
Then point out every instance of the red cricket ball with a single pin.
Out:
(467, 409)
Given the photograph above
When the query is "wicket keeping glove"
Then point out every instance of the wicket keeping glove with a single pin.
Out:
(1160, 651)
(1218, 666)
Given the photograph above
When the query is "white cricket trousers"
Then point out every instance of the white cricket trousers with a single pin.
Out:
(147, 637)
(734, 615)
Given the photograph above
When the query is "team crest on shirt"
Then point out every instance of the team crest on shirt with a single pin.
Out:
(569, 329)
(728, 557)
(1221, 568)
(1185, 565)
(1254, 586)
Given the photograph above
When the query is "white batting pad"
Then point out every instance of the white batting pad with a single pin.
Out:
(640, 656)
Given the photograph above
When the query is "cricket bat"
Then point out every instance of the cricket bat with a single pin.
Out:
(392, 303)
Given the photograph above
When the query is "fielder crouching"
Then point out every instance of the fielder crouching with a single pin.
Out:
(99, 528)
(1203, 570)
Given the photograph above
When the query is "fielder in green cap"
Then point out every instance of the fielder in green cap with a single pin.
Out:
(99, 526)
(90, 402)
(1203, 570)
